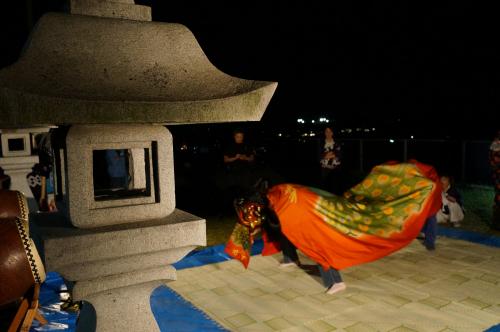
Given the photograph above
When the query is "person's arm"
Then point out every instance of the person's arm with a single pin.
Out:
(329, 155)
(338, 150)
(247, 157)
(228, 159)
(249, 154)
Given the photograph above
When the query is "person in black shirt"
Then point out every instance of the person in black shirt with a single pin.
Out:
(238, 155)
(239, 163)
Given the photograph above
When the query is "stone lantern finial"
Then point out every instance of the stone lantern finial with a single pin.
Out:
(124, 9)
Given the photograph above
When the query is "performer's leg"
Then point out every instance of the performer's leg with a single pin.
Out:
(330, 276)
(430, 230)
(326, 277)
(336, 275)
(333, 278)
(290, 256)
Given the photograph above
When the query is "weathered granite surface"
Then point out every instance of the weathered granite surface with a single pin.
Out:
(83, 289)
(104, 258)
(125, 309)
(66, 245)
(115, 9)
(82, 69)
(84, 210)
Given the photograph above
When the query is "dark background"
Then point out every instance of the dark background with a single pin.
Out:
(398, 66)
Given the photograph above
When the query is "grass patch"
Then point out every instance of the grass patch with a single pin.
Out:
(478, 204)
(219, 229)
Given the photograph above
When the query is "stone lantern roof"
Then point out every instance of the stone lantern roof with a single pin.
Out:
(84, 69)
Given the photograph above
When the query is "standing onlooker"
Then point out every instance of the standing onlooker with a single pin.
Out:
(330, 161)
(239, 154)
(451, 210)
(238, 161)
(495, 169)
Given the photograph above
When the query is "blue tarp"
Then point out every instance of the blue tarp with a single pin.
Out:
(212, 255)
(454, 233)
(50, 306)
(174, 314)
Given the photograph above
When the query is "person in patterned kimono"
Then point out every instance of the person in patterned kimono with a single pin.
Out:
(380, 215)
(329, 153)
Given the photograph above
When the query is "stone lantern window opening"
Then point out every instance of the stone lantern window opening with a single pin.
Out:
(137, 170)
(16, 144)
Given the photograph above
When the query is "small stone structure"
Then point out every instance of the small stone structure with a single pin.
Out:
(17, 158)
(116, 79)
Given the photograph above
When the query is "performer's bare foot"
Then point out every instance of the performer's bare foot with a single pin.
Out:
(335, 288)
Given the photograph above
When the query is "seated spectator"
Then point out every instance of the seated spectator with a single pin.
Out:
(451, 210)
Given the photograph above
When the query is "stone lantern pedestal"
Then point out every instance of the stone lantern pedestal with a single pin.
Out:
(116, 268)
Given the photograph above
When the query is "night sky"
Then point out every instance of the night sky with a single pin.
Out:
(432, 71)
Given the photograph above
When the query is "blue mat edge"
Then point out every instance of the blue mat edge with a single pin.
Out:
(196, 318)
(460, 234)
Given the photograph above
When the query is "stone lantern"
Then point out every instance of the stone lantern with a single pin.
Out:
(113, 79)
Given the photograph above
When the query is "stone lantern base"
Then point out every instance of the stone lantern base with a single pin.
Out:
(117, 267)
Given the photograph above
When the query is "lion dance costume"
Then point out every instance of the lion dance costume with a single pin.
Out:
(380, 215)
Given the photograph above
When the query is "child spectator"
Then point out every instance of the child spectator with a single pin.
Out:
(452, 208)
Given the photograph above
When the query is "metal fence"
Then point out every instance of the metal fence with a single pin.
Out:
(467, 161)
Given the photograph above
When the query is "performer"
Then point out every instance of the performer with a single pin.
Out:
(380, 215)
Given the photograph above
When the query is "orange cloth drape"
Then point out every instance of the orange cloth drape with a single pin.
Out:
(375, 218)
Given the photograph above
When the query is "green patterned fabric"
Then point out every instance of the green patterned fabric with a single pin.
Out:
(379, 205)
